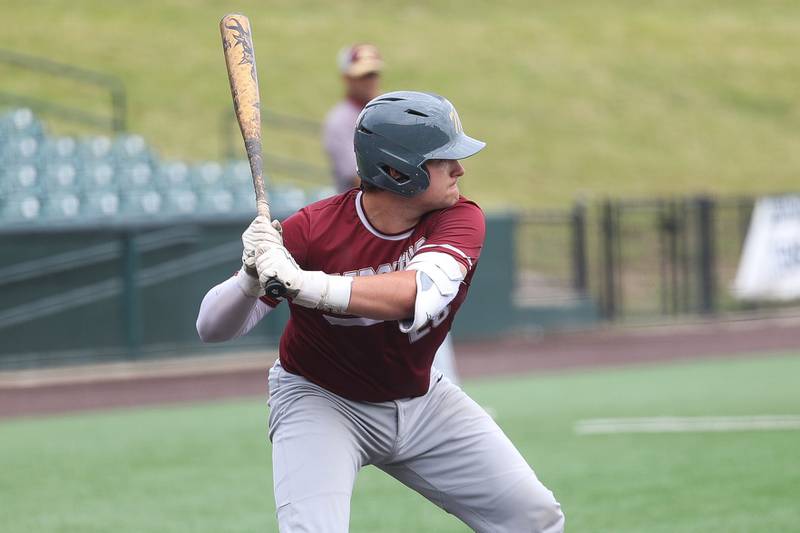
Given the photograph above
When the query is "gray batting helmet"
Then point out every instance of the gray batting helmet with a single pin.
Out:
(404, 129)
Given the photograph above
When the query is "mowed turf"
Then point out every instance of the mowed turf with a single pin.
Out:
(575, 98)
(207, 468)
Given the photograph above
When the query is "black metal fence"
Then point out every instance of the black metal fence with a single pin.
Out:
(637, 259)
(657, 257)
(552, 262)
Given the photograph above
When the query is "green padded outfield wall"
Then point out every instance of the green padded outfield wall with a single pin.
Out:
(68, 294)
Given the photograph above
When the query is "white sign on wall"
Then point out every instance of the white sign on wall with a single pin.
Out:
(770, 265)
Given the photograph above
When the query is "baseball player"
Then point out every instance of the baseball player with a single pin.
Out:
(375, 277)
(361, 66)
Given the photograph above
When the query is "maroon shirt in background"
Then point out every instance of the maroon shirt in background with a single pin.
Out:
(359, 358)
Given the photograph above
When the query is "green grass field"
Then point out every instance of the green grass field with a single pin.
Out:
(206, 468)
(575, 98)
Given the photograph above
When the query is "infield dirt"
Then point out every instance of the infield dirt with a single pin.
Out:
(207, 378)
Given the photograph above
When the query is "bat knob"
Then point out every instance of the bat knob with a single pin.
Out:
(275, 288)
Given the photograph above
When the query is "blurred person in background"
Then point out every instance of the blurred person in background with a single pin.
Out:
(360, 66)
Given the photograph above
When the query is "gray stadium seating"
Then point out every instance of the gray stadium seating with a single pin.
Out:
(75, 179)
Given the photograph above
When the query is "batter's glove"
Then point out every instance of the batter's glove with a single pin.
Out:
(259, 236)
(276, 262)
(313, 289)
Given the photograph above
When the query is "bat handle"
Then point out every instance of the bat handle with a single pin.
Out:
(262, 207)
(274, 288)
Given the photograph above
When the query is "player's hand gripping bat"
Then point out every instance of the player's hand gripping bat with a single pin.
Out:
(240, 59)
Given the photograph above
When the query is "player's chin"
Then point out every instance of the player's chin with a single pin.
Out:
(448, 200)
(453, 194)
(444, 199)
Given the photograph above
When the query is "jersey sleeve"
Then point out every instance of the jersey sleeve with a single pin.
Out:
(295, 239)
(458, 231)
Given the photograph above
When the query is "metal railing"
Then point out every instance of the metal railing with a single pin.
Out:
(115, 120)
(127, 249)
(112, 292)
(274, 163)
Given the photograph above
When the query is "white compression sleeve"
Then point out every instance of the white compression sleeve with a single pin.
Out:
(227, 312)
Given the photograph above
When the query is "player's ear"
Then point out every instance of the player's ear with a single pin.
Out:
(393, 173)
(396, 175)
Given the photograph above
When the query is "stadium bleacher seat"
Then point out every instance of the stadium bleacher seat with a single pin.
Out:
(21, 207)
(95, 148)
(59, 176)
(137, 175)
(20, 122)
(97, 175)
(216, 201)
(287, 198)
(142, 203)
(245, 197)
(101, 204)
(14, 178)
(206, 175)
(19, 149)
(237, 173)
(130, 148)
(180, 201)
(173, 175)
(60, 149)
(62, 205)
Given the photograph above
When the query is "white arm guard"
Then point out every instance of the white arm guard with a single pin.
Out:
(439, 277)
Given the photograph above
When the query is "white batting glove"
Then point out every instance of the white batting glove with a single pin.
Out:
(313, 289)
(259, 236)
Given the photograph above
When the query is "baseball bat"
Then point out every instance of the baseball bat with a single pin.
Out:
(240, 60)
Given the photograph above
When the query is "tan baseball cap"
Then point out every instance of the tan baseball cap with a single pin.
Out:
(360, 59)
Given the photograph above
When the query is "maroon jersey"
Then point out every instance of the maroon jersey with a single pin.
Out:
(359, 358)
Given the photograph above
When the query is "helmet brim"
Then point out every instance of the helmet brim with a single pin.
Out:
(464, 146)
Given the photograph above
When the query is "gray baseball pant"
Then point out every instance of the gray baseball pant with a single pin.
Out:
(441, 444)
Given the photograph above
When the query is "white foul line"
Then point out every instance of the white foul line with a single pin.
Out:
(686, 424)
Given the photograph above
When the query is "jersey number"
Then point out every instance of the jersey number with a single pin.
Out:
(435, 322)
